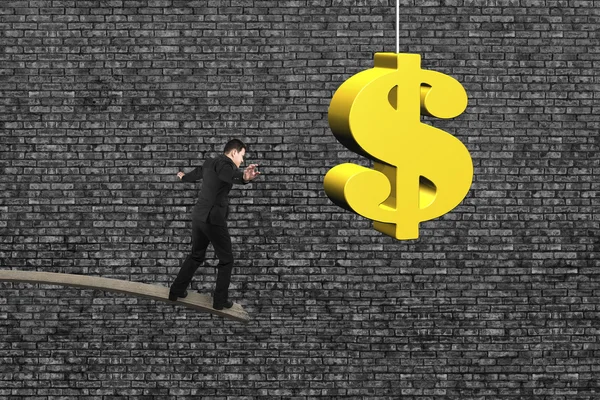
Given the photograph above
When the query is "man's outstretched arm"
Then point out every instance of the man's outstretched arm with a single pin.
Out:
(193, 176)
(229, 174)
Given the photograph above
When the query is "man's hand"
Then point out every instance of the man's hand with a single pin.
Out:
(251, 172)
(180, 174)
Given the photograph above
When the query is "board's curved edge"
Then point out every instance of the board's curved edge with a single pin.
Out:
(194, 300)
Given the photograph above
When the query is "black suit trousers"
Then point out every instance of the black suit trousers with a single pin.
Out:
(203, 234)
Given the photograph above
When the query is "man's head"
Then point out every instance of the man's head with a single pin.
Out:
(235, 149)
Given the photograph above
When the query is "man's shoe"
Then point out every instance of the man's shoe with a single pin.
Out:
(229, 304)
(173, 296)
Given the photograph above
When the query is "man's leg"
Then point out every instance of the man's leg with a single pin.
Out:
(221, 241)
(192, 262)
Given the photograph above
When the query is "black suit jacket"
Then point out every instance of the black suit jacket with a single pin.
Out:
(218, 176)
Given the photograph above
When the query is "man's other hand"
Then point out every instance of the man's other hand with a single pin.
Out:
(180, 175)
(250, 173)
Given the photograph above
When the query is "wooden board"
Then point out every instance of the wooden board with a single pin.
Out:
(193, 300)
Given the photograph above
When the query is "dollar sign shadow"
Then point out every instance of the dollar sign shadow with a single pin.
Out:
(420, 172)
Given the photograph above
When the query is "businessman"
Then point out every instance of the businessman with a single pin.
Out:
(209, 219)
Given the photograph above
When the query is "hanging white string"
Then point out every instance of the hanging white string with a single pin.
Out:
(397, 26)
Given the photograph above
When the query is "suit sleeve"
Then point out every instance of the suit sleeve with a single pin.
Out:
(228, 174)
(193, 176)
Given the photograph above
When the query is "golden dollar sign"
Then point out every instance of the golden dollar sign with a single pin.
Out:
(421, 172)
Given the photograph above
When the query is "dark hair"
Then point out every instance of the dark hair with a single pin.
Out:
(234, 144)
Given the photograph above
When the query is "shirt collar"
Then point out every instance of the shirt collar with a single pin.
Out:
(227, 158)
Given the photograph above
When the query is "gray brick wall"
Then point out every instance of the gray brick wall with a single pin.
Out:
(102, 101)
